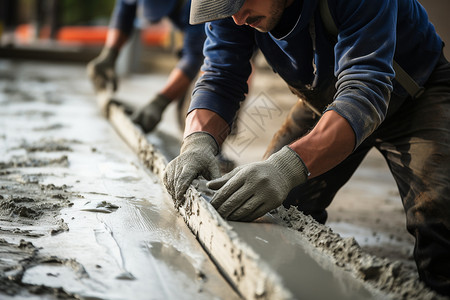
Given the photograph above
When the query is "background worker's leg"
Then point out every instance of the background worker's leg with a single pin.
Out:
(416, 143)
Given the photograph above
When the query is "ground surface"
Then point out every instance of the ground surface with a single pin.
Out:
(79, 216)
(368, 207)
(68, 184)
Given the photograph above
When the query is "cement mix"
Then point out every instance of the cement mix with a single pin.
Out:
(106, 229)
(268, 260)
(80, 217)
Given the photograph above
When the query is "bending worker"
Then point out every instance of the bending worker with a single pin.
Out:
(102, 69)
(353, 101)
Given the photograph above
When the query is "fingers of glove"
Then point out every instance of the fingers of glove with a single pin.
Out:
(144, 118)
(99, 82)
(217, 183)
(112, 78)
(238, 205)
(170, 174)
(136, 116)
(149, 122)
(213, 171)
(183, 181)
(253, 202)
(168, 181)
(255, 214)
(230, 197)
(114, 83)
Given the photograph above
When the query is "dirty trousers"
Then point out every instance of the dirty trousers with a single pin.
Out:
(415, 141)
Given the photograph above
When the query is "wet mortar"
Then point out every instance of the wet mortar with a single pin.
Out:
(80, 218)
(100, 217)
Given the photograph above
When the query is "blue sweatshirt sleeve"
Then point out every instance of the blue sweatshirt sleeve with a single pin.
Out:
(363, 62)
(192, 51)
(223, 85)
(123, 16)
(191, 56)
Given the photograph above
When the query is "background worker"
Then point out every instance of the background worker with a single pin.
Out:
(101, 70)
(350, 83)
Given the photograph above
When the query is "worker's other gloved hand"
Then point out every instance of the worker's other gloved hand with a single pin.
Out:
(149, 115)
(250, 191)
(197, 158)
(101, 70)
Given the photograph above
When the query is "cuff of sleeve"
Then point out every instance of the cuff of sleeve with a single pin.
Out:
(289, 163)
(206, 100)
(363, 122)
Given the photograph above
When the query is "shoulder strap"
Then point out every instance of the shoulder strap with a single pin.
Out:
(406, 81)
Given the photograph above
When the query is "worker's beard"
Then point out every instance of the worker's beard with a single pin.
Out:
(277, 9)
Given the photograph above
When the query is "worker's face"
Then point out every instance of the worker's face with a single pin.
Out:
(263, 15)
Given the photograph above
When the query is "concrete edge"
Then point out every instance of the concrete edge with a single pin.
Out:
(244, 269)
(241, 266)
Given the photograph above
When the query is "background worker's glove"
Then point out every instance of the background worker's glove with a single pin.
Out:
(149, 115)
(250, 191)
(197, 157)
(101, 69)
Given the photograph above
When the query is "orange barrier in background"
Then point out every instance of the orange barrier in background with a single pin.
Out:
(155, 35)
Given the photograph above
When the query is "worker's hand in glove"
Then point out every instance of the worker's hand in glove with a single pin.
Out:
(150, 115)
(197, 157)
(101, 70)
(250, 191)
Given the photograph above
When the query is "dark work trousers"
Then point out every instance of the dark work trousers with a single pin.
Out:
(415, 141)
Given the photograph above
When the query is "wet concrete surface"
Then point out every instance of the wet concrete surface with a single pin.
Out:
(389, 275)
(306, 272)
(102, 227)
(80, 217)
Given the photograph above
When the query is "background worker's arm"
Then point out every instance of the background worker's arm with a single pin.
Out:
(115, 38)
(180, 78)
(101, 69)
(150, 114)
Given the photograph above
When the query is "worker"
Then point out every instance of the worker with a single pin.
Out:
(352, 101)
(101, 70)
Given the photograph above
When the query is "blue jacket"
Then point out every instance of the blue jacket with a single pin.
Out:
(353, 77)
(178, 12)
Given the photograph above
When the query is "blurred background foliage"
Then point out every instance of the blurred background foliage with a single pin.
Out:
(68, 12)
(86, 12)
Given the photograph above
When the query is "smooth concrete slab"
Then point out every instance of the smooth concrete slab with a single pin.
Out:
(80, 216)
(263, 260)
(351, 272)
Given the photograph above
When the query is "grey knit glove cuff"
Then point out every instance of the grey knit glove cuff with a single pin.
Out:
(289, 163)
(203, 138)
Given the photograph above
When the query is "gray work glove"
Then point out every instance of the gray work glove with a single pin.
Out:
(197, 158)
(250, 191)
(101, 70)
(149, 115)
